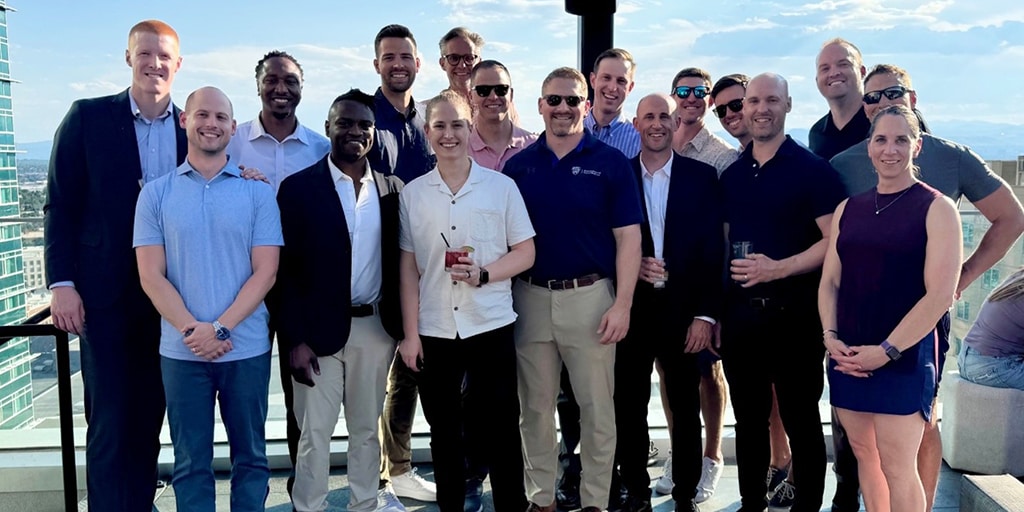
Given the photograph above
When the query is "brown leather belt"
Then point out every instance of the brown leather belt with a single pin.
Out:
(566, 284)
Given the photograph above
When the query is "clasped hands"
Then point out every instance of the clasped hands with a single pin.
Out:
(857, 361)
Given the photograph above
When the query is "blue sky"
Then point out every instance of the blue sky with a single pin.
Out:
(966, 57)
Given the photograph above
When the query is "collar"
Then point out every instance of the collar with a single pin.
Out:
(518, 139)
(588, 141)
(257, 130)
(475, 175)
(590, 122)
(229, 169)
(789, 147)
(667, 168)
(138, 113)
(381, 104)
(337, 175)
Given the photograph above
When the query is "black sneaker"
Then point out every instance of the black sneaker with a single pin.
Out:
(567, 496)
(474, 495)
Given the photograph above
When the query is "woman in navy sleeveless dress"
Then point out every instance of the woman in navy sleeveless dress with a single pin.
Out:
(889, 275)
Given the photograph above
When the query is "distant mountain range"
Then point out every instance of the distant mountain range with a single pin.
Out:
(992, 141)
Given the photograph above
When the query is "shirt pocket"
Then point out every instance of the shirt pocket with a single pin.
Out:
(486, 224)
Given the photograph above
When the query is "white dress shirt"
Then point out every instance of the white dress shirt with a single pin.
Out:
(253, 147)
(362, 214)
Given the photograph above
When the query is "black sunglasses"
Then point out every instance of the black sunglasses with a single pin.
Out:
(734, 105)
(892, 93)
(455, 58)
(699, 92)
(485, 90)
(555, 100)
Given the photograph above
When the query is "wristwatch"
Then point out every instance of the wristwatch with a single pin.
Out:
(891, 351)
(222, 332)
(485, 277)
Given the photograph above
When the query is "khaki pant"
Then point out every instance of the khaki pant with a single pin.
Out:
(356, 377)
(557, 326)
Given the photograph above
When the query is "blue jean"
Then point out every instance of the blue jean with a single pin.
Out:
(997, 372)
(241, 387)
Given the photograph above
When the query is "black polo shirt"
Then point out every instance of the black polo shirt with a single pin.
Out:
(775, 207)
(826, 140)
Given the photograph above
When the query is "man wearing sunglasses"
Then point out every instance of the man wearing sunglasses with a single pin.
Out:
(840, 69)
(574, 303)
(727, 96)
(957, 172)
(460, 51)
(612, 80)
(495, 137)
(691, 88)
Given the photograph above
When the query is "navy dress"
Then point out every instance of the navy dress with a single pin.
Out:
(882, 256)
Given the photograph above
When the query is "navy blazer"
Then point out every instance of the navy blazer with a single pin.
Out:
(314, 281)
(92, 187)
(694, 245)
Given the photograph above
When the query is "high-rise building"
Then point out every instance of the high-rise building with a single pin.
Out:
(15, 356)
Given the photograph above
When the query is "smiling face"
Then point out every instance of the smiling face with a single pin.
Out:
(396, 63)
(458, 48)
(447, 130)
(612, 81)
(691, 108)
(656, 121)
(154, 60)
(881, 82)
(208, 121)
(562, 120)
(893, 145)
(765, 107)
(350, 129)
(733, 121)
(492, 107)
(840, 72)
(280, 87)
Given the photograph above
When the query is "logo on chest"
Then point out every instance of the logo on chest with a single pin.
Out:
(576, 171)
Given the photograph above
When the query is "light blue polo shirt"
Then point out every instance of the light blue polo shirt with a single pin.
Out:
(208, 230)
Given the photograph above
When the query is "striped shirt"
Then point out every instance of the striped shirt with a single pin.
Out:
(619, 134)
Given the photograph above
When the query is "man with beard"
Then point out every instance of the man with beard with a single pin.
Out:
(779, 198)
(340, 223)
(727, 96)
(574, 303)
(401, 153)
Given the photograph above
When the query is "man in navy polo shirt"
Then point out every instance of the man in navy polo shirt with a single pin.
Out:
(574, 303)
(780, 198)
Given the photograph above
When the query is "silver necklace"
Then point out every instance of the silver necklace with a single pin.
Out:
(879, 210)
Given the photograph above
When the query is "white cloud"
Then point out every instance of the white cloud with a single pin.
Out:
(97, 87)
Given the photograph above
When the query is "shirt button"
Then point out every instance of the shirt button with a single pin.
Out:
(453, 201)
(455, 283)
(456, 308)
(453, 227)
(207, 186)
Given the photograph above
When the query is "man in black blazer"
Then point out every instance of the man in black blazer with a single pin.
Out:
(672, 318)
(338, 292)
(104, 151)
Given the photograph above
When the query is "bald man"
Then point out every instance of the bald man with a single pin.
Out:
(207, 243)
(779, 199)
(104, 151)
(681, 237)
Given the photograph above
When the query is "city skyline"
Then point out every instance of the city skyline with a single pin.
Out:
(960, 75)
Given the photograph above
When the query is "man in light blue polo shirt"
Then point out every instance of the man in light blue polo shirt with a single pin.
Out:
(207, 243)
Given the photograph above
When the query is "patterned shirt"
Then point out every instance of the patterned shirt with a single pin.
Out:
(710, 149)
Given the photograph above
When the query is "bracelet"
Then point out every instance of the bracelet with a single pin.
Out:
(833, 331)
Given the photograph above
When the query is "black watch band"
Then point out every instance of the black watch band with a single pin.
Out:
(485, 277)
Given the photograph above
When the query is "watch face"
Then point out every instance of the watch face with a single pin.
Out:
(223, 333)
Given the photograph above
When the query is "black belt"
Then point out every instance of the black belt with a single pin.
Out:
(566, 284)
(362, 310)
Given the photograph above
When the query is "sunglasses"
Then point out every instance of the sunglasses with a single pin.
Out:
(455, 58)
(555, 100)
(891, 93)
(485, 90)
(734, 105)
(699, 92)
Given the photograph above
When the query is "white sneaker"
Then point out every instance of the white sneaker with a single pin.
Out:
(412, 485)
(709, 477)
(665, 485)
(387, 501)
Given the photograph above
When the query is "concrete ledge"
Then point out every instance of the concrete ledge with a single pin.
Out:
(981, 427)
(986, 493)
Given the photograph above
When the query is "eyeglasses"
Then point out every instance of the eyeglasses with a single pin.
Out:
(699, 92)
(555, 100)
(734, 105)
(455, 58)
(891, 93)
(485, 90)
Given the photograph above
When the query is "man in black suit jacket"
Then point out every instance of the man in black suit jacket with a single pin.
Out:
(104, 150)
(672, 319)
(338, 292)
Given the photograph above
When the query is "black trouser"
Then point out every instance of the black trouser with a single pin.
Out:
(765, 343)
(475, 432)
(569, 425)
(648, 339)
(486, 362)
(124, 404)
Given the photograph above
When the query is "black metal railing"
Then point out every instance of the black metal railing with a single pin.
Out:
(32, 326)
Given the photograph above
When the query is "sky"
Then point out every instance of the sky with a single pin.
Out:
(966, 58)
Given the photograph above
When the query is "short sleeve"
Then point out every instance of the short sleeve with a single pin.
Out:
(977, 181)
(517, 219)
(404, 233)
(148, 228)
(624, 192)
(267, 230)
(828, 190)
